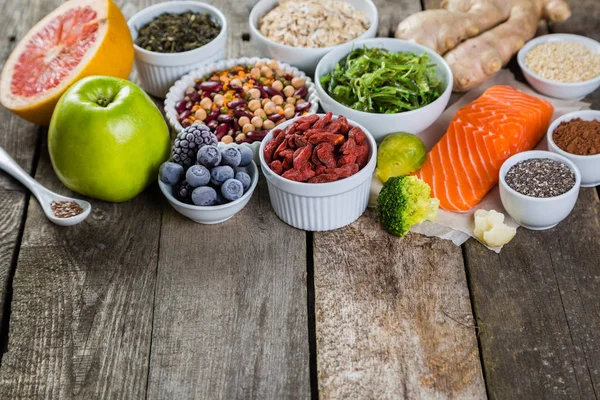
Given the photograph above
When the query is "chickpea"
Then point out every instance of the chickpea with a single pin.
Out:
(270, 108)
(255, 72)
(260, 113)
(277, 85)
(289, 106)
(219, 100)
(236, 81)
(257, 122)
(227, 139)
(288, 91)
(263, 102)
(254, 105)
(254, 93)
(290, 100)
(269, 124)
(266, 72)
(298, 82)
(240, 136)
(289, 112)
(300, 101)
(273, 64)
(279, 71)
(206, 103)
(243, 121)
(200, 114)
(247, 128)
(277, 99)
(260, 64)
(197, 122)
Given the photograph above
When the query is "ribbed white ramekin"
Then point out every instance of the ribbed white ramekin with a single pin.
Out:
(320, 206)
(158, 71)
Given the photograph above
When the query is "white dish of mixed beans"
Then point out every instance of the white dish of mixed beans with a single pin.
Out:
(240, 100)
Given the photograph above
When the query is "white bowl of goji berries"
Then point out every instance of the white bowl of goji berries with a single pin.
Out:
(306, 193)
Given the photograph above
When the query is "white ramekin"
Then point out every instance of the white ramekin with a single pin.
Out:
(561, 90)
(302, 57)
(589, 166)
(320, 206)
(533, 212)
(210, 215)
(177, 91)
(158, 71)
(381, 125)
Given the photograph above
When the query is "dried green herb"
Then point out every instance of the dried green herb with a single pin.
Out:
(176, 33)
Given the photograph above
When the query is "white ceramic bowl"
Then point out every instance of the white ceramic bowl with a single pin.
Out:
(381, 125)
(561, 90)
(320, 206)
(176, 92)
(533, 212)
(589, 166)
(158, 71)
(304, 58)
(211, 215)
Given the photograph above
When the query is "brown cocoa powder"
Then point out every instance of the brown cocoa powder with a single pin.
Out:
(578, 137)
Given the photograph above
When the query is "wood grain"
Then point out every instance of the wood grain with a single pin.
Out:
(393, 317)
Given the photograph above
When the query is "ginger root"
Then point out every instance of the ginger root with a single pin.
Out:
(478, 37)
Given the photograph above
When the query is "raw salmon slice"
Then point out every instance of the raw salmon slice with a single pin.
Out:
(464, 165)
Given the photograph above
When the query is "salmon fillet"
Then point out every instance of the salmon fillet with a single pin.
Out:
(464, 165)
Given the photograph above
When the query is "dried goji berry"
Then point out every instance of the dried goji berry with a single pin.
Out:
(323, 178)
(344, 171)
(357, 134)
(276, 133)
(322, 123)
(334, 127)
(333, 138)
(302, 156)
(325, 154)
(348, 147)
(280, 148)
(300, 140)
(319, 169)
(311, 119)
(311, 132)
(347, 159)
(291, 142)
(269, 151)
(277, 167)
(297, 175)
(362, 154)
(344, 125)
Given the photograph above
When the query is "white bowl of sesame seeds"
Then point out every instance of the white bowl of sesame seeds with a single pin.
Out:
(561, 65)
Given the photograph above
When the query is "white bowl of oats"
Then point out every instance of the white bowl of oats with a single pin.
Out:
(300, 32)
(561, 65)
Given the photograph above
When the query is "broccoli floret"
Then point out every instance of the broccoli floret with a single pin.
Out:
(405, 201)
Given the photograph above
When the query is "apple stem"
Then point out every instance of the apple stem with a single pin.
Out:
(103, 101)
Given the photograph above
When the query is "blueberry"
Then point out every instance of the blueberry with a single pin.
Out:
(209, 156)
(232, 189)
(244, 178)
(197, 175)
(204, 196)
(171, 173)
(231, 156)
(246, 155)
(220, 174)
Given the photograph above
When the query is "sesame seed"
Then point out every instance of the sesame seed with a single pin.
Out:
(563, 61)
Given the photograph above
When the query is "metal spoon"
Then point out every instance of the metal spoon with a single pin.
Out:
(44, 196)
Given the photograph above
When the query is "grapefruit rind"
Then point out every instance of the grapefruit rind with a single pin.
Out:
(111, 54)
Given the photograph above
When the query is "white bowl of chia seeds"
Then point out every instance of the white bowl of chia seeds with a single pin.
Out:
(539, 188)
(561, 65)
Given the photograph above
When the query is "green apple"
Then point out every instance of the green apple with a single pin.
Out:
(107, 139)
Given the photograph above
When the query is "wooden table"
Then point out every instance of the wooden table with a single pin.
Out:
(140, 302)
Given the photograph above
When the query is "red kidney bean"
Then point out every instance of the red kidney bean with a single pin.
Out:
(240, 112)
(212, 125)
(303, 106)
(189, 105)
(207, 94)
(301, 92)
(271, 91)
(237, 103)
(186, 123)
(189, 90)
(289, 77)
(213, 115)
(225, 118)
(243, 141)
(221, 131)
(276, 117)
(256, 135)
(184, 115)
(194, 96)
(236, 125)
(263, 94)
(180, 106)
(235, 87)
(210, 86)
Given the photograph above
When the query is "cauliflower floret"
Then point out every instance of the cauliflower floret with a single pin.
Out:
(491, 229)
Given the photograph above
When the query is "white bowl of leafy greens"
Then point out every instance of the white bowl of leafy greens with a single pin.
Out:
(387, 85)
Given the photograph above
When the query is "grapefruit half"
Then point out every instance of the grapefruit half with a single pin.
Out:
(78, 39)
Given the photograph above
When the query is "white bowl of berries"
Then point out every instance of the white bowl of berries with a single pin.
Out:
(206, 181)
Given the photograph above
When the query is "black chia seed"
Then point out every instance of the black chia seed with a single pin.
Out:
(540, 177)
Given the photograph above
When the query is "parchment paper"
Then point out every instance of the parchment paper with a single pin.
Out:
(458, 227)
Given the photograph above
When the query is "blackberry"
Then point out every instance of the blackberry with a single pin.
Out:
(183, 192)
(188, 141)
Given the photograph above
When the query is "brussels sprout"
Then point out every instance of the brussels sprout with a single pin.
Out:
(400, 154)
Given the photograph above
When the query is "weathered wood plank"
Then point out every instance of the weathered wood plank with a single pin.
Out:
(393, 317)
(537, 308)
(391, 12)
(231, 318)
